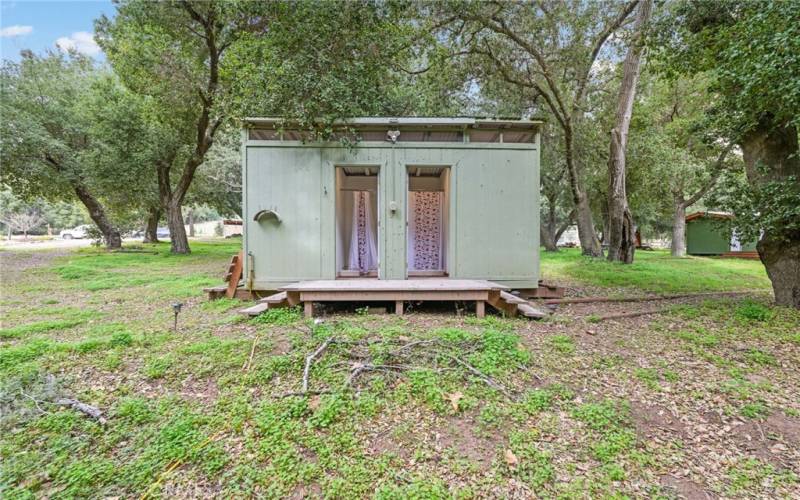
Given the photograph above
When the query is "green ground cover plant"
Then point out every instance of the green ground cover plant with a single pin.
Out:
(442, 406)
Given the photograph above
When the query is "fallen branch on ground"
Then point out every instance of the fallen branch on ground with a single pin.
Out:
(247, 364)
(403, 358)
(89, 410)
(487, 379)
(631, 314)
(588, 300)
(310, 359)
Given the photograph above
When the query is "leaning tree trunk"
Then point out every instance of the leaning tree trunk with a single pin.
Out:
(151, 227)
(548, 238)
(190, 221)
(771, 154)
(98, 214)
(590, 245)
(622, 233)
(179, 243)
(678, 246)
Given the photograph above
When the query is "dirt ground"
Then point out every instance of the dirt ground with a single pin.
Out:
(700, 400)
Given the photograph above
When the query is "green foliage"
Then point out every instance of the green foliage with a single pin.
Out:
(499, 351)
(761, 358)
(562, 343)
(279, 316)
(754, 410)
(753, 311)
(602, 416)
(749, 52)
(157, 367)
(535, 467)
(657, 272)
(750, 473)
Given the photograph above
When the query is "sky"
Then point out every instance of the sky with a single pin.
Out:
(41, 25)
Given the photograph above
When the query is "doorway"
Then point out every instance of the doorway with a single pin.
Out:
(357, 222)
(428, 218)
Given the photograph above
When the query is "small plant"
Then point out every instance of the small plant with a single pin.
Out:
(649, 376)
(157, 367)
(562, 343)
(761, 358)
(612, 444)
(537, 400)
(600, 416)
(614, 472)
(280, 316)
(754, 410)
(121, 339)
(750, 310)
(593, 318)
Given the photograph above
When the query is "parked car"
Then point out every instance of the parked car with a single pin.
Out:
(75, 232)
(162, 232)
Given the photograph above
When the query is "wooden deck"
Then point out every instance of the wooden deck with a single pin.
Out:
(397, 291)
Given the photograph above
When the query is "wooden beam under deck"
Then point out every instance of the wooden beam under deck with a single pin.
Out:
(397, 291)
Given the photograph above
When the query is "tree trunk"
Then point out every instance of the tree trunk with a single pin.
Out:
(177, 231)
(622, 237)
(190, 221)
(547, 228)
(590, 245)
(151, 226)
(771, 154)
(678, 246)
(782, 261)
(98, 214)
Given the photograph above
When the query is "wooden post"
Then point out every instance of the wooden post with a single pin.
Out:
(308, 309)
(398, 307)
(480, 308)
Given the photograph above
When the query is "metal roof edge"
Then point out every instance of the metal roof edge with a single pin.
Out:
(411, 121)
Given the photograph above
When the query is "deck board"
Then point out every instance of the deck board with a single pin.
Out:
(409, 285)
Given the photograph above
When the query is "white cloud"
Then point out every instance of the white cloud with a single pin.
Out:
(16, 30)
(81, 41)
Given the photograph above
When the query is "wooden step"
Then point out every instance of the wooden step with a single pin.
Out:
(255, 310)
(496, 301)
(512, 299)
(530, 311)
(274, 299)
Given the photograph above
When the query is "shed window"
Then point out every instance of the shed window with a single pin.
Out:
(260, 134)
(431, 136)
(484, 136)
(296, 135)
(518, 136)
(372, 135)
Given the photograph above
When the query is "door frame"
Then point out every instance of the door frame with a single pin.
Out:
(446, 231)
(378, 213)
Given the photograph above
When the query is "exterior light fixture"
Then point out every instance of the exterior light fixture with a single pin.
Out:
(176, 308)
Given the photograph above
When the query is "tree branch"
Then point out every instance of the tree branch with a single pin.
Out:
(715, 173)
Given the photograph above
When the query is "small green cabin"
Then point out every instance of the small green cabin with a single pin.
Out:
(704, 236)
(401, 198)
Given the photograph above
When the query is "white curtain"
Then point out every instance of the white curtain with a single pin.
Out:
(425, 242)
(363, 242)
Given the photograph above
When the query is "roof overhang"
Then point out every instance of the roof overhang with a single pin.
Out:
(406, 122)
(713, 215)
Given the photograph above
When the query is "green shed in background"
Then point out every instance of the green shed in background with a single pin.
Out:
(705, 236)
(407, 198)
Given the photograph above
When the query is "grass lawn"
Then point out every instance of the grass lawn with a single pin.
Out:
(704, 398)
(657, 272)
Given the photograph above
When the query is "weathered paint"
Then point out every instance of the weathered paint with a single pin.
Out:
(494, 214)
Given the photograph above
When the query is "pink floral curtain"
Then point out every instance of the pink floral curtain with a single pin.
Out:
(425, 230)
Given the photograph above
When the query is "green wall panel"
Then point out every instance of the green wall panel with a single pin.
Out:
(493, 230)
